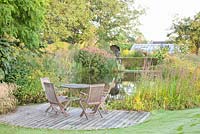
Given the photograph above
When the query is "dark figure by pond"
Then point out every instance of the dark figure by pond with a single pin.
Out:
(116, 50)
(115, 89)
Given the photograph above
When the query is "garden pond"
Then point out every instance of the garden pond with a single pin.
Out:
(125, 82)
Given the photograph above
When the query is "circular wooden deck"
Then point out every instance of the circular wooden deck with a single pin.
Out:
(33, 116)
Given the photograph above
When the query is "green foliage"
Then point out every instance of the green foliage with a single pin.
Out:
(9, 50)
(160, 54)
(68, 20)
(138, 54)
(117, 21)
(21, 24)
(7, 54)
(83, 20)
(22, 20)
(187, 31)
(123, 41)
(176, 88)
(132, 53)
(138, 63)
(29, 68)
(93, 68)
(24, 73)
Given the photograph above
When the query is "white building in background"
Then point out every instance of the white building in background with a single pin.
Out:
(151, 47)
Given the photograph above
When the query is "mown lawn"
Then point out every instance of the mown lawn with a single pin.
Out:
(160, 122)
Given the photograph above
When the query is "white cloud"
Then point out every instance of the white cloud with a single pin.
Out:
(160, 13)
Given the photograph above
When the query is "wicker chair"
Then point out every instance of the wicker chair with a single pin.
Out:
(62, 101)
(93, 98)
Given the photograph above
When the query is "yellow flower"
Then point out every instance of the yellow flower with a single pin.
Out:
(125, 52)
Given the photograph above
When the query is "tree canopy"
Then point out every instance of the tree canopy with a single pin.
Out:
(67, 20)
(187, 31)
(77, 21)
(22, 20)
(21, 24)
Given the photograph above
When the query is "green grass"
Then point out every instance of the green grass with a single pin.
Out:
(160, 122)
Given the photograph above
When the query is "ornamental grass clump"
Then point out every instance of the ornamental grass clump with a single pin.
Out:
(8, 102)
(177, 88)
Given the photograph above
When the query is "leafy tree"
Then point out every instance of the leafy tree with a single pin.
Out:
(68, 20)
(187, 31)
(78, 21)
(115, 18)
(23, 20)
(21, 24)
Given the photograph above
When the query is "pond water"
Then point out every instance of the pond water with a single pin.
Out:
(125, 82)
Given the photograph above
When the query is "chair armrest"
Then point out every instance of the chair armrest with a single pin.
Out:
(59, 90)
(83, 94)
(106, 92)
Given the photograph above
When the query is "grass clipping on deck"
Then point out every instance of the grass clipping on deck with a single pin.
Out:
(8, 101)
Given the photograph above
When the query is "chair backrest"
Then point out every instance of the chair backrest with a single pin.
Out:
(50, 93)
(109, 87)
(45, 79)
(95, 93)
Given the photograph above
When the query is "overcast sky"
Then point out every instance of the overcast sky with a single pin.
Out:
(160, 13)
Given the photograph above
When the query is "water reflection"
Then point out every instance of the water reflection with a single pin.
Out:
(128, 87)
(125, 83)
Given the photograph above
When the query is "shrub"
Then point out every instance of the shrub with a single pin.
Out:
(93, 65)
(128, 53)
(29, 67)
(138, 63)
(25, 73)
(160, 54)
(8, 53)
(8, 101)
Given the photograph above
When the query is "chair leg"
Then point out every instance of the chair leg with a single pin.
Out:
(62, 109)
(68, 105)
(48, 108)
(100, 113)
(84, 111)
(97, 109)
(54, 108)
(103, 107)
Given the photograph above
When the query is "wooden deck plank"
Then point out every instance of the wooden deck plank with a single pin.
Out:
(51, 121)
(122, 120)
(140, 117)
(133, 120)
(30, 119)
(33, 116)
(114, 117)
(130, 120)
(68, 120)
(99, 123)
(24, 118)
(116, 120)
(84, 121)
